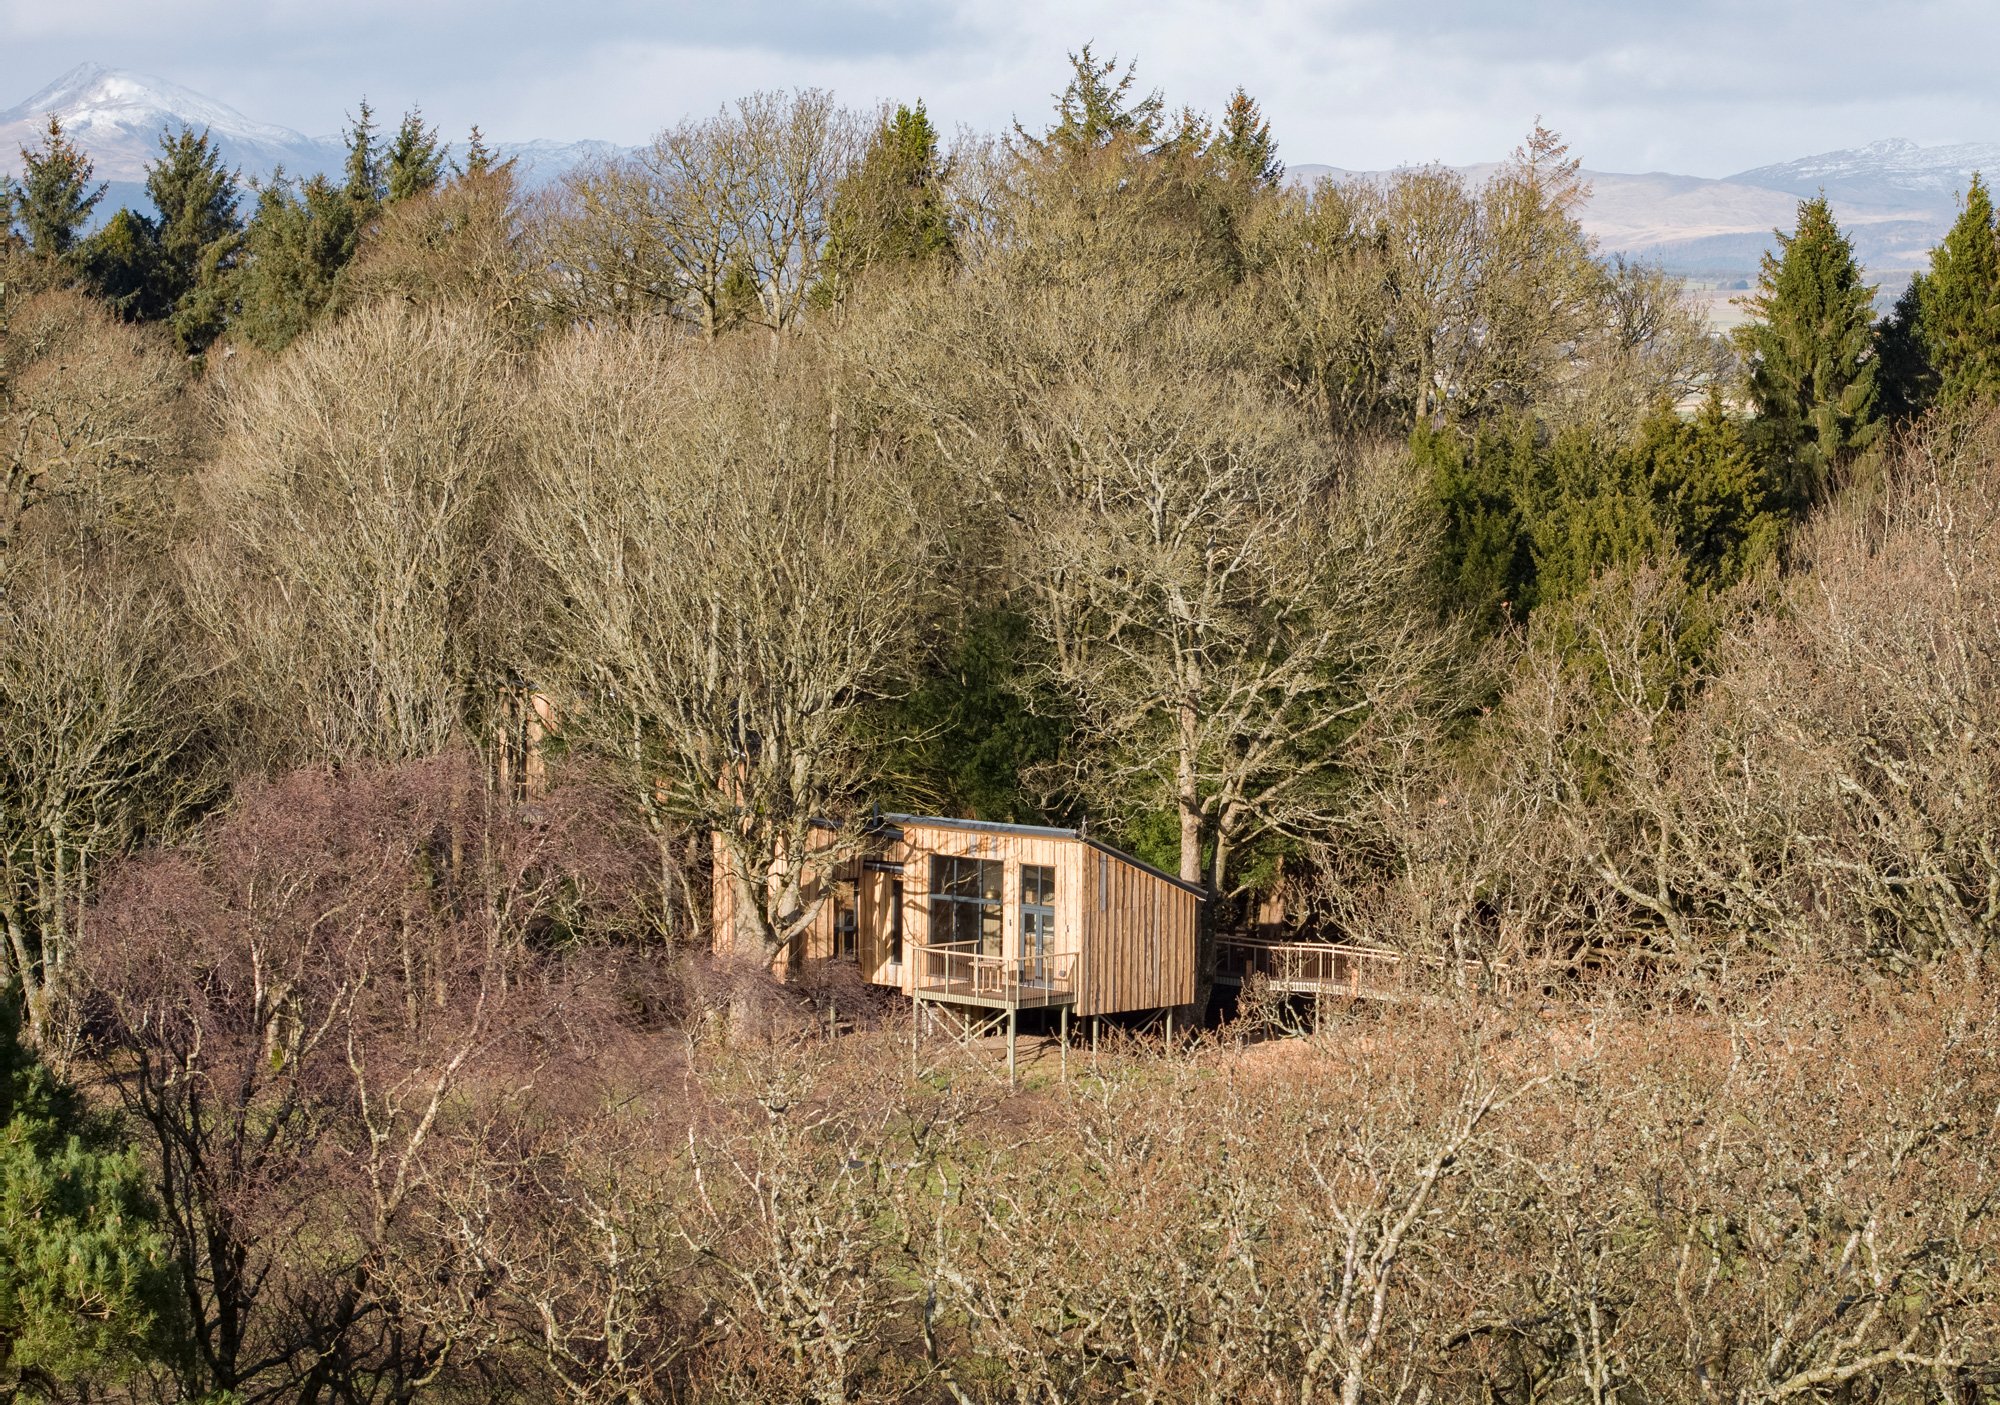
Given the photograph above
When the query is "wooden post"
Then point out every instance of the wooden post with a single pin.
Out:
(1170, 1029)
(1065, 1043)
(1012, 1016)
(915, 1011)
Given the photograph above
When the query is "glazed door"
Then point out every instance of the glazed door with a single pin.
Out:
(1038, 920)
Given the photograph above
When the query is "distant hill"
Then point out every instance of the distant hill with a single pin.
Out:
(1895, 198)
(118, 116)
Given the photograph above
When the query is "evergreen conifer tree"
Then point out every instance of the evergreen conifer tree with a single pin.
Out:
(1482, 482)
(1907, 380)
(1243, 148)
(1958, 304)
(54, 198)
(86, 1287)
(1811, 349)
(200, 231)
(1097, 107)
(363, 183)
(414, 161)
(122, 263)
(1712, 500)
(300, 239)
(478, 155)
(889, 209)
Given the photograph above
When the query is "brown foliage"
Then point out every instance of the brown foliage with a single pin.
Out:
(1454, 1203)
(93, 421)
(296, 1010)
(349, 522)
(459, 244)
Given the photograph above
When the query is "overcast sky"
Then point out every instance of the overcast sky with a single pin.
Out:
(1702, 87)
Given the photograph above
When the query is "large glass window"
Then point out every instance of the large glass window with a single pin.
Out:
(965, 902)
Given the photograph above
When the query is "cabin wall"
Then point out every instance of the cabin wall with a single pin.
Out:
(923, 842)
(1139, 935)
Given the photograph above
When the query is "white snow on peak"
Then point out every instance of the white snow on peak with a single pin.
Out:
(1896, 164)
(91, 96)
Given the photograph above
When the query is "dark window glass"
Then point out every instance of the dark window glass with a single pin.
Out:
(1038, 885)
(844, 926)
(1038, 918)
(896, 923)
(965, 902)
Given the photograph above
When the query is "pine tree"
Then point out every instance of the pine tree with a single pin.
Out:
(54, 199)
(1588, 511)
(1907, 380)
(1485, 565)
(200, 231)
(300, 239)
(1095, 108)
(889, 209)
(478, 156)
(122, 263)
(1811, 353)
(414, 161)
(1712, 500)
(86, 1290)
(1243, 148)
(1958, 304)
(363, 185)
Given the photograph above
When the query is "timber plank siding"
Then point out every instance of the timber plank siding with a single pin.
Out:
(1122, 934)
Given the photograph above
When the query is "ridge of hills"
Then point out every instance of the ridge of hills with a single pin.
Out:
(1894, 197)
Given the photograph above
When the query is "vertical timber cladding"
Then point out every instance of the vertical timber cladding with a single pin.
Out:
(816, 943)
(1132, 930)
(1138, 935)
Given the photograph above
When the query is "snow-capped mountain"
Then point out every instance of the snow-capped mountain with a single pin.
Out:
(117, 116)
(1890, 171)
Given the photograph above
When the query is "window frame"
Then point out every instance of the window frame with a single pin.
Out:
(985, 916)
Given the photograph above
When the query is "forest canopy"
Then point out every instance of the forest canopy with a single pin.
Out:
(410, 580)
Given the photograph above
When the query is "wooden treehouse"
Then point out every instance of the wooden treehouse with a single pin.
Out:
(976, 922)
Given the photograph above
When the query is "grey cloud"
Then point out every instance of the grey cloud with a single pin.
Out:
(1705, 86)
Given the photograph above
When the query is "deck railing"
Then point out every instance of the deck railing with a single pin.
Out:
(961, 970)
(1330, 968)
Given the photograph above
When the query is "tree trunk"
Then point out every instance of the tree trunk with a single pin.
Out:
(1196, 1015)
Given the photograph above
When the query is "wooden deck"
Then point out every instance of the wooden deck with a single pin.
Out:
(963, 976)
(1311, 968)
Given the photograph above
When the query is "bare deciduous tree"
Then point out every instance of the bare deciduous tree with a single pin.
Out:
(352, 510)
(729, 583)
(90, 416)
(299, 1004)
(718, 219)
(97, 707)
